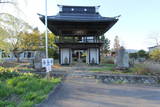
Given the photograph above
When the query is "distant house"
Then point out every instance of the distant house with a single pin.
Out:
(131, 50)
(24, 56)
(153, 48)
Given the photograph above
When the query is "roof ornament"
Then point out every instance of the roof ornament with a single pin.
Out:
(60, 7)
(97, 8)
(40, 15)
(117, 17)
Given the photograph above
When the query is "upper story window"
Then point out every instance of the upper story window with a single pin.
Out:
(78, 9)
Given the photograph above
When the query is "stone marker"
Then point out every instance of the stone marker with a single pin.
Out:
(122, 59)
(37, 62)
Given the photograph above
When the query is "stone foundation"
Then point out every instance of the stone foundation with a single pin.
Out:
(130, 79)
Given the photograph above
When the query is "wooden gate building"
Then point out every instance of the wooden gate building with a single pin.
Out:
(79, 28)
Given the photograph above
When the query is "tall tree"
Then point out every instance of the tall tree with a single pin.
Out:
(15, 28)
(31, 41)
(52, 47)
(3, 37)
(116, 44)
(142, 54)
(106, 44)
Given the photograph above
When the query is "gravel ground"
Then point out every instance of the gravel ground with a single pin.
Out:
(78, 91)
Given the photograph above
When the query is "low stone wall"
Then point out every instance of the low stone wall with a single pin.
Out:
(128, 79)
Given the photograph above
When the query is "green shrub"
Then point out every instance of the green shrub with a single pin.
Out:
(104, 68)
(142, 54)
(27, 86)
(140, 70)
(147, 68)
(133, 55)
(7, 104)
(107, 60)
(31, 96)
(155, 55)
(4, 90)
(26, 104)
(6, 73)
(19, 91)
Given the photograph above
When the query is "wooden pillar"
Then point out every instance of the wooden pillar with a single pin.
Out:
(89, 55)
(79, 56)
(59, 56)
(99, 56)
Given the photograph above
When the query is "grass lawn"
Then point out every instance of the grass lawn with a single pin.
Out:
(23, 89)
(105, 67)
(138, 69)
(110, 69)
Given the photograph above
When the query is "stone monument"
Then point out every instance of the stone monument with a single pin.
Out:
(122, 59)
(37, 61)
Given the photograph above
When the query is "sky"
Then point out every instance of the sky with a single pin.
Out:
(139, 21)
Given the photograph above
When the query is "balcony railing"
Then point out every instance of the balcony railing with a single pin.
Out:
(78, 41)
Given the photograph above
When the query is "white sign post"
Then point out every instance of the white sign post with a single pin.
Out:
(47, 63)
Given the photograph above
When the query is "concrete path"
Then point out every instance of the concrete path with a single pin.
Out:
(79, 91)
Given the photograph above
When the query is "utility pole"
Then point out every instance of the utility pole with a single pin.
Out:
(46, 33)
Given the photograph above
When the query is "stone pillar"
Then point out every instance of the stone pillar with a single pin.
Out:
(93, 54)
(122, 59)
(37, 61)
(65, 56)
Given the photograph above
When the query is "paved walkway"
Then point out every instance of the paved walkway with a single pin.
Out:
(79, 91)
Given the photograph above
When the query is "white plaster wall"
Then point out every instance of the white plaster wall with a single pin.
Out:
(71, 56)
(98, 56)
(64, 54)
(94, 53)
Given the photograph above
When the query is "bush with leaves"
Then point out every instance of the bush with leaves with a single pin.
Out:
(6, 73)
(27, 87)
(142, 54)
(133, 55)
(155, 55)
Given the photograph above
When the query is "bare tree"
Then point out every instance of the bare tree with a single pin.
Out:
(116, 44)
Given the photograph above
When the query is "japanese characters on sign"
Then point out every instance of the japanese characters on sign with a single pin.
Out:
(47, 63)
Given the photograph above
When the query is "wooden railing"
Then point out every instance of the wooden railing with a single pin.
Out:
(77, 41)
